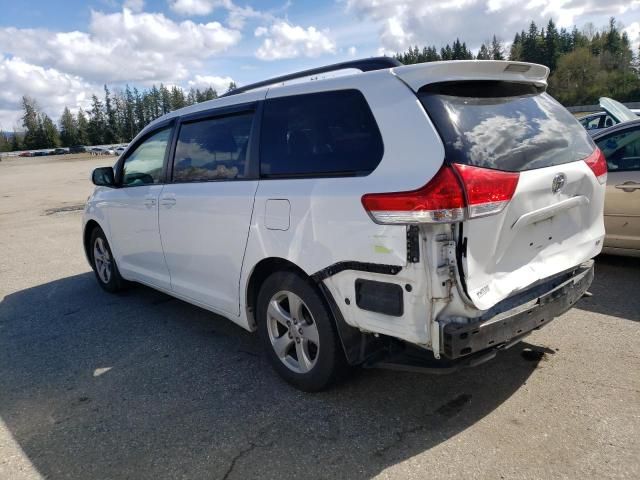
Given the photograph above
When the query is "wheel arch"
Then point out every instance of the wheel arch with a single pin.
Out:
(259, 274)
(354, 343)
(89, 227)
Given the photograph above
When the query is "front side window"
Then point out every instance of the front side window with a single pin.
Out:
(319, 134)
(622, 150)
(213, 149)
(144, 165)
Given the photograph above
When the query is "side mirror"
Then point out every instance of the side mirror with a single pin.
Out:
(103, 177)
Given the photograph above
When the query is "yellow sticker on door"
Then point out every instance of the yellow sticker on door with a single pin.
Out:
(381, 249)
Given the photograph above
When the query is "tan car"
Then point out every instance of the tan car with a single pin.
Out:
(621, 146)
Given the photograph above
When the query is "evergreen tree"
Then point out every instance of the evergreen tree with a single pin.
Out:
(233, 86)
(50, 135)
(496, 51)
(139, 110)
(68, 129)
(110, 132)
(551, 46)
(83, 128)
(97, 124)
(30, 122)
(16, 144)
(483, 53)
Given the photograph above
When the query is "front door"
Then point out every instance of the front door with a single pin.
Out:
(133, 212)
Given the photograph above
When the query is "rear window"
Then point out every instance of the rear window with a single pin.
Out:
(504, 126)
(319, 134)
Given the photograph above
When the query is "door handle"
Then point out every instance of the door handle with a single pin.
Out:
(168, 202)
(149, 202)
(628, 186)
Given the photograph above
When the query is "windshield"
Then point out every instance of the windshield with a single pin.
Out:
(504, 126)
(617, 110)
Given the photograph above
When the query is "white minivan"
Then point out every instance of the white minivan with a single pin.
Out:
(417, 217)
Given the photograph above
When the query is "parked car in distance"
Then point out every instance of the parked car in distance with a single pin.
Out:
(388, 217)
(621, 147)
(614, 113)
(77, 149)
(120, 150)
(60, 151)
(25, 154)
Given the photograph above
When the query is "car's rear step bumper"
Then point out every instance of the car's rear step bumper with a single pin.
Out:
(461, 340)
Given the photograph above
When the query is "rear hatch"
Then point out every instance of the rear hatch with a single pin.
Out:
(530, 177)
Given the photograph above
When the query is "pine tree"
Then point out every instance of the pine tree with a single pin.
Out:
(50, 136)
(139, 110)
(483, 53)
(110, 132)
(97, 124)
(16, 144)
(83, 128)
(129, 129)
(233, 86)
(496, 51)
(32, 137)
(551, 45)
(68, 129)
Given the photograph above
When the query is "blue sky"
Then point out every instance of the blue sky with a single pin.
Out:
(61, 52)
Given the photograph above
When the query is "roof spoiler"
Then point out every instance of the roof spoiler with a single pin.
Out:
(421, 74)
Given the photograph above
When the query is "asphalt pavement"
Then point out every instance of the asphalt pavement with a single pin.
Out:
(140, 385)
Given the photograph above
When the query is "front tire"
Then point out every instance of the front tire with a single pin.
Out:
(103, 262)
(298, 332)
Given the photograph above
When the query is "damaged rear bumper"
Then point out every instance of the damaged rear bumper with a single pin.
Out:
(505, 323)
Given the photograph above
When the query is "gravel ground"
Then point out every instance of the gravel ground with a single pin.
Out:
(140, 385)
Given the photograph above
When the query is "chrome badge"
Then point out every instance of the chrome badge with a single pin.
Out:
(558, 182)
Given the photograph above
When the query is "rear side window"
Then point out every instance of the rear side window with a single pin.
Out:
(504, 126)
(212, 149)
(319, 134)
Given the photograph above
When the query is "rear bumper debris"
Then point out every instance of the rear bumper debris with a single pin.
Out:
(503, 329)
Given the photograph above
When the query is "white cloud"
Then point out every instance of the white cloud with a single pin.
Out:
(403, 23)
(123, 46)
(283, 40)
(134, 5)
(52, 89)
(202, 82)
(633, 31)
(196, 7)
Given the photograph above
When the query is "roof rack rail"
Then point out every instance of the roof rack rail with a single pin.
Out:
(364, 65)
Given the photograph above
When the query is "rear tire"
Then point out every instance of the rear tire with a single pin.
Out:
(103, 262)
(298, 332)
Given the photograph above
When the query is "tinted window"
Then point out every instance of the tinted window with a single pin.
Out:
(504, 126)
(213, 149)
(144, 165)
(326, 133)
(622, 150)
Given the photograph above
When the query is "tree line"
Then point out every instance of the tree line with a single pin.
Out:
(585, 65)
(117, 117)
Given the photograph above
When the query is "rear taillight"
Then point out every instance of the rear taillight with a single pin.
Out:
(487, 191)
(445, 198)
(598, 165)
(439, 201)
